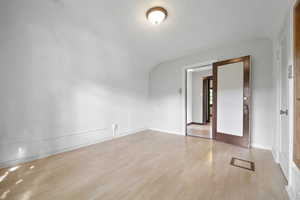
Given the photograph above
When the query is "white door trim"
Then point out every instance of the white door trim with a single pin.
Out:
(284, 35)
(183, 89)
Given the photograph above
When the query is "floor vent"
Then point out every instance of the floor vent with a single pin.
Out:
(244, 164)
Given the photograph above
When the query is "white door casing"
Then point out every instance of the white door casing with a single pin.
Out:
(284, 137)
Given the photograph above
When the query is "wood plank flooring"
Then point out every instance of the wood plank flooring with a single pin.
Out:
(203, 131)
(144, 166)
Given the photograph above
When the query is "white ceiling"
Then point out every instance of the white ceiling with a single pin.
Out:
(191, 24)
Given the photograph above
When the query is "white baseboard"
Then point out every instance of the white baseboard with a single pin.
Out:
(293, 189)
(275, 155)
(258, 146)
(178, 133)
(290, 192)
(166, 131)
(130, 132)
(10, 163)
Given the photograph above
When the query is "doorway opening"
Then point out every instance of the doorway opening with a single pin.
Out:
(218, 101)
(199, 99)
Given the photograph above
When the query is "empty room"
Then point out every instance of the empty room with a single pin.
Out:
(150, 100)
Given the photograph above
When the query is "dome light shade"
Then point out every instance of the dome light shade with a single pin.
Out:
(156, 15)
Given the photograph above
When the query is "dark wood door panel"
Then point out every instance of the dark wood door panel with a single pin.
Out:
(244, 140)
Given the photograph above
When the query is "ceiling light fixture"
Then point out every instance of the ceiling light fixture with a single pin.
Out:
(156, 15)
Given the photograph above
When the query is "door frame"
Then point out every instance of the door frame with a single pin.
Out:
(284, 161)
(287, 31)
(206, 100)
(246, 138)
(277, 138)
(183, 90)
(284, 35)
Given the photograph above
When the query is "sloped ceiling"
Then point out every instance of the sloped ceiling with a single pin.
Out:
(191, 25)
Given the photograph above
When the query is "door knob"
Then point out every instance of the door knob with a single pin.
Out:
(284, 112)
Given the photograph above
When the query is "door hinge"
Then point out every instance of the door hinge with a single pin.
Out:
(284, 112)
(290, 71)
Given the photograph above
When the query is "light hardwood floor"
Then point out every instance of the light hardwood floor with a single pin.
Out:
(199, 130)
(148, 165)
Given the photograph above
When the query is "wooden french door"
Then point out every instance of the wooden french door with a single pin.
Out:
(231, 101)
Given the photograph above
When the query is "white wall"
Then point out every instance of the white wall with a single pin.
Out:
(63, 83)
(167, 104)
(197, 97)
(189, 94)
(197, 87)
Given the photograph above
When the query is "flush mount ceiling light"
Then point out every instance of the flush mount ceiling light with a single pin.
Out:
(156, 15)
